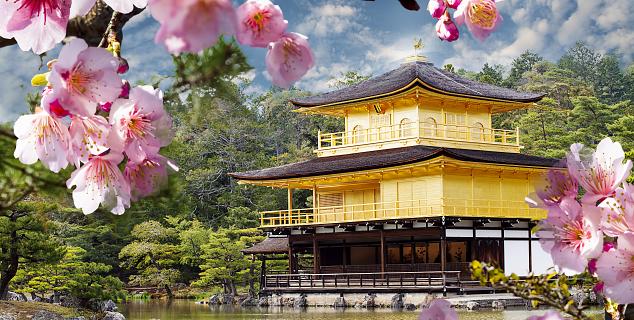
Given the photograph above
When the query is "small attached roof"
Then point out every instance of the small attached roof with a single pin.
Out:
(269, 246)
(389, 158)
(422, 74)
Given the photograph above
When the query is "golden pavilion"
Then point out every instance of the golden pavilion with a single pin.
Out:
(418, 185)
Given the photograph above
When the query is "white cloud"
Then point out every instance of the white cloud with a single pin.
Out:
(327, 20)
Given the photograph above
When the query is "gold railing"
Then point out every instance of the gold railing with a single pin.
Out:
(401, 209)
(410, 130)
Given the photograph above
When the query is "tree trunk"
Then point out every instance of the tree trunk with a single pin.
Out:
(9, 272)
(170, 295)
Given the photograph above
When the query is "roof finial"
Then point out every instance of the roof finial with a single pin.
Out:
(418, 46)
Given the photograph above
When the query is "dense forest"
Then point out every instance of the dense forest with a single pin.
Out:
(187, 239)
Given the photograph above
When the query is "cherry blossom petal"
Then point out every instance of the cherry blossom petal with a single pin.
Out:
(89, 137)
(148, 176)
(439, 309)
(260, 22)
(289, 59)
(100, 182)
(42, 137)
(616, 269)
(125, 6)
(38, 25)
(79, 8)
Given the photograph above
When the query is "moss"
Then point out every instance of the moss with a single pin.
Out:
(26, 310)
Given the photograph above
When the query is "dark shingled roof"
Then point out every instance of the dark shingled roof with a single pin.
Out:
(400, 79)
(389, 158)
(269, 246)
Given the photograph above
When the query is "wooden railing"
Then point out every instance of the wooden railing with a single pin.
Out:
(429, 280)
(419, 130)
(484, 208)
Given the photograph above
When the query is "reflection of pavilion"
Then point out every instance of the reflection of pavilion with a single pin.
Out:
(417, 186)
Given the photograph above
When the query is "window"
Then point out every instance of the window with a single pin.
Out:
(455, 125)
(381, 125)
(430, 127)
(405, 128)
(358, 135)
(477, 132)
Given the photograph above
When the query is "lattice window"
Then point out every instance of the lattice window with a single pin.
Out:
(330, 199)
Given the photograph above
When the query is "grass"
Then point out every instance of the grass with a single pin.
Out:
(26, 310)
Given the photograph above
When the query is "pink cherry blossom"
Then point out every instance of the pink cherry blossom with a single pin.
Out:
(453, 4)
(557, 185)
(100, 182)
(42, 137)
(89, 137)
(50, 103)
(125, 6)
(140, 125)
(288, 59)
(616, 269)
(36, 25)
(446, 29)
(480, 16)
(260, 22)
(599, 172)
(571, 234)
(439, 309)
(192, 25)
(82, 77)
(550, 315)
(436, 8)
(148, 176)
(618, 212)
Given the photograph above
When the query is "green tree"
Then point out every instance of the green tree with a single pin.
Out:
(153, 256)
(70, 275)
(224, 263)
(582, 61)
(520, 65)
(347, 79)
(491, 74)
(611, 84)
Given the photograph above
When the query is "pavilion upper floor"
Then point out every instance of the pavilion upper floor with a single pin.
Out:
(409, 183)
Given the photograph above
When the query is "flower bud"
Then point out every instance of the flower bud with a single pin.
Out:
(40, 79)
(125, 90)
(123, 66)
(105, 106)
(436, 8)
(446, 29)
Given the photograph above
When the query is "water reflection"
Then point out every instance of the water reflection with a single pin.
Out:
(188, 310)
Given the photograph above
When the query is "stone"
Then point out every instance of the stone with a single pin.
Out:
(249, 301)
(409, 306)
(76, 318)
(397, 302)
(369, 301)
(111, 315)
(6, 316)
(108, 305)
(46, 315)
(340, 302)
(70, 302)
(472, 306)
(228, 299)
(214, 300)
(263, 302)
(300, 301)
(497, 305)
(12, 296)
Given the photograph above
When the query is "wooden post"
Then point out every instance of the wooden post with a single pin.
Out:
(318, 139)
(382, 253)
(316, 257)
(263, 273)
(290, 257)
(290, 205)
(530, 248)
(517, 136)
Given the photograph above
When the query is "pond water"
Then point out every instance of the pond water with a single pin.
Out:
(188, 310)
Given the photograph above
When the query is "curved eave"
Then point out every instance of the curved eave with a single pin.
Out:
(412, 85)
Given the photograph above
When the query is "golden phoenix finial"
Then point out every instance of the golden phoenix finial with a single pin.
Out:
(418, 45)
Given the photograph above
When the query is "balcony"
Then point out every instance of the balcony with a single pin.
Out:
(412, 209)
(414, 133)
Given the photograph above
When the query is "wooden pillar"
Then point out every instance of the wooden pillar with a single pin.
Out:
(316, 257)
(290, 257)
(443, 247)
(263, 272)
(382, 252)
(530, 247)
(290, 205)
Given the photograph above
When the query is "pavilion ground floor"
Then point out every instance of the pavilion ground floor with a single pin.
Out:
(431, 255)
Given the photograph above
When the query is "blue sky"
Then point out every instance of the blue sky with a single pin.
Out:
(373, 37)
